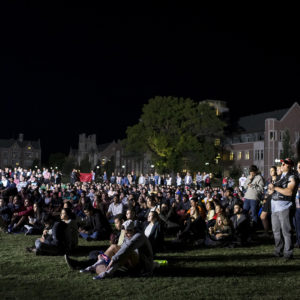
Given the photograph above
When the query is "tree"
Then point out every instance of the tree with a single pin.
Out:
(57, 160)
(286, 145)
(179, 133)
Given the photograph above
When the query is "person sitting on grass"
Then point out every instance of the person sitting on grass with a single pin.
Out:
(153, 231)
(97, 226)
(220, 234)
(52, 240)
(58, 237)
(5, 215)
(20, 217)
(135, 255)
(35, 223)
(241, 225)
(194, 225)
(96, 256)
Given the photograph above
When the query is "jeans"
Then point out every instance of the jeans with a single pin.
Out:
(297, 225)
(282, 230)
(93, 236)
(252, 205)
(46, 248)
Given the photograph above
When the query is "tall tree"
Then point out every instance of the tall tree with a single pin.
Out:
(179, 133)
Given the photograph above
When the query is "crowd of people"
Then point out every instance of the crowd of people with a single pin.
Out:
(136, 213)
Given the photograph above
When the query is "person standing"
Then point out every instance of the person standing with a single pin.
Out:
(282, 205)
(297, 212)
(254, 186)
(242, 180)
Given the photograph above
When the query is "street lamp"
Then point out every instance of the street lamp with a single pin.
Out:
(152, 166)
(98, 167)
(207, 163)
(123, 166)
(277, 160)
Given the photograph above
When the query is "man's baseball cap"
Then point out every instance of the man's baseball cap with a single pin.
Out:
(287, 161)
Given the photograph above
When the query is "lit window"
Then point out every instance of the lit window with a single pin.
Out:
(217, 142)
(239, 156)
(247, 155)
(272, 135)
(231, 156)
(29, 148)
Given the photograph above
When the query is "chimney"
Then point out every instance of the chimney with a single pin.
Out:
(21, 137)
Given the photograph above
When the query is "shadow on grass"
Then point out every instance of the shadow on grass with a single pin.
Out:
(85, 250)
(217, 258)
(177, 271)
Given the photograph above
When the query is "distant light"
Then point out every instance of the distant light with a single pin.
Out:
(123, 167)
(98, 167)
(29, 148)
(152, 166)
(36, 167)
(207, 163)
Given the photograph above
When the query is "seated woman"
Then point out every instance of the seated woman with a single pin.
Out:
(35, 224)
(194, 226)
(210, 213)
(220, 234)
(59, 237)
(153, 231)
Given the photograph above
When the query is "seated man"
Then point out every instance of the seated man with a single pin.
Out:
(52, 241)
(240, 224)
(141, 261)
(97, 226)
(96, 256)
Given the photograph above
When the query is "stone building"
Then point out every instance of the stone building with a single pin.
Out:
(261, 137)
(19, 152)
(113, 152)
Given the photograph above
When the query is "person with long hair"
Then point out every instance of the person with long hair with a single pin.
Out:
(266, 208)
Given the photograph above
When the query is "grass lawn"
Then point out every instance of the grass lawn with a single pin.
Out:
(239, 273)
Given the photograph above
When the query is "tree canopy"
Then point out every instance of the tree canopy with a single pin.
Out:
(179, 133)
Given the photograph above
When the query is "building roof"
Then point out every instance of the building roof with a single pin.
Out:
(256, 123)
(10, 142)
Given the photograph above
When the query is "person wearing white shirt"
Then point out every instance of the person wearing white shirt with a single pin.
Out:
(188, 179)
(242, 180)
(142, 180)
(178, 180)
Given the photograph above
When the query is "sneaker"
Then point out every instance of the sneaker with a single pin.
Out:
(29, 249)
(288, 258)
(276, 254)
(87, 270)
(100, 276)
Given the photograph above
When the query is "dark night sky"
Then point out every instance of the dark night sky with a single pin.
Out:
(64, 74)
